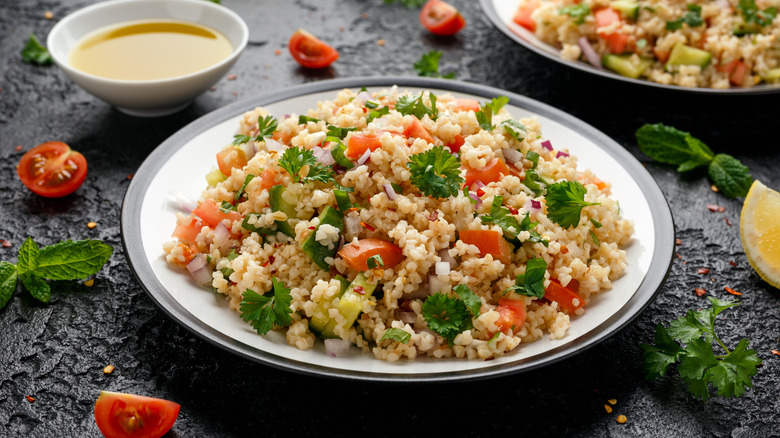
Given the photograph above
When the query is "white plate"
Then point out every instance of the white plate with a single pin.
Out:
(500, 12)
(181, 162)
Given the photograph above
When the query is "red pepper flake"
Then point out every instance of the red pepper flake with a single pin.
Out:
(678, 255)
(365, 225)
(352, 209)
(29, 398)
(731, 291)
(480, 192)
(391, 209)
(266, 263)
(312, 228)
(703, 271)
(271, 259)
(728, 222)
(700, 292)
(512, 209)
(7, 244)
(365, 110)
(678, 241)
(19, 148)
(130, 176)
(734, 264)
(365, 15)
(231, 77)
(359, 290)
(564, 249)
(775, 352)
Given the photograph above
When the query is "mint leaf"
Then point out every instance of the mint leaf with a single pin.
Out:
(8, 278)
(730, 176)
(397, 334)
(472, 300)
(28, 256)
(37, 286)
(71, 260)
(672, 146)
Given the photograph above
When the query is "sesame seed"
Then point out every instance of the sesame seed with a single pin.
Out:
(91, 225)
(608, 408)
(612, 401)
(621, 419)
(108, 369)
(29, 398)
(713, 188)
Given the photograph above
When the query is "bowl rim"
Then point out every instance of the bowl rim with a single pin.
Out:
(97, 7)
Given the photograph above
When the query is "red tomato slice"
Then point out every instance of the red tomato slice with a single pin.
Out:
(488, 242)
(187, 233)
(52, 169)
(463, 104)
(512, 314)
(736, 70)
(357, 255)
(358, 143)
(121, 415)
(211, 215)
(457, 142)
(416, 130)
(565, 296)
(229, 158)
(488, 174)
(523, 15)
(441, 18)
(310, 51)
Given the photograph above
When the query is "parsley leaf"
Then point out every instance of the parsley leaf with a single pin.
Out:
(428, 66)
(303, 120)
(502, 217)
(436, 172)
(699, 366)
(485, 114)
(34, 52)
(692, 17)
(409, 105)
(514, 128)
(752, 14)
(578, 12)
(565, 201)
(472, 300)
(8, 277)
(531, 282)
(731, 177)
(397, 334)
(446, 316)
(294, 159)
(265, 128)
(267, 311)
(377, 113)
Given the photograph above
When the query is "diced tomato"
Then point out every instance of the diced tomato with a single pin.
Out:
(599, 183)
(441, 18)
(357, 254)
(186, 233)
(359, 143)
(463, 104)
(511, 315)
(282, 137)
(267, 179)
(565, 296)
(211, 215)
(523, 14)
(416, 130)
(230, 158)
(616, 42)
(121, 415)
(488, 242)
(456, 143)
(488, 174)
(662, 55)
(737, 71)
(606, 17)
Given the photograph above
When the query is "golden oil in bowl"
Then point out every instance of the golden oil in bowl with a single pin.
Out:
(150, 50)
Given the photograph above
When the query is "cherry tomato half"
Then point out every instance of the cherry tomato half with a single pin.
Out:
(441, 18)
(310, 51)
(121, 415)
(52, 169)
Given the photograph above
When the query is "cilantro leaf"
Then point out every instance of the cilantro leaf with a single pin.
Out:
(751, 14)
(8, 278)
(29, 257)
(472, 300)
(731, 177)
(514, 128)
(428, 66)
(692, 17)
(446, 316)
(409, 105)
(672, 146)
(531, 282)
(37, 286)
(397, 334)
(578, 12)
(267, 311)
(294, 159)
(265, 128)
(436, 172)
(72, 260)
(34, 52)
(565, 201)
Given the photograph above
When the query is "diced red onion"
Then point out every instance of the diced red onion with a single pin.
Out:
(533, 206)
(407, 317)
(363, 158)
(391, 194)
(323, 156)
(444, 255)
(199, 269)
(222, 237)
(273, 145)
(477, 199)
(181, 202)
(478, 185)
(512, 156)
(547, 145)
(561, 154)
(589, 52)
(362, 98)
(442, 268)
(336, 347)
(434, 284)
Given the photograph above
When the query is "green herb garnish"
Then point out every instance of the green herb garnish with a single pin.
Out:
(294, 159)
(472, 300)
(409, 105)
(514, 128)
(578, 12)
(672, 146)
(265, 128)
(303, 120)
(375, 261)
(267, 311)
(436, 172)
(502, 217)
(565, 201)
(485, 114)
(396, 334)
(428, 66)
(531, 282)
(335, 131)
(446, 316)
(377, 113)
(699, 366)
(240, 191)
(338, 153)
(752, 14)
(692, 17)
(34, 52)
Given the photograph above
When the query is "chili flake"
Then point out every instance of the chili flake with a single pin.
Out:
(365, 225)
(734, 264)
(277, 52)
(564, 249)
(352, 209)
(359, 290)
(700, 292)
(380, 42)
(678, 255)
(7, 244)
(19, 148)
(728, 222)
(678, 241)
(312, 228)
(512, 209)
(231, 77)
(732, 291)
(29, 398)
(703, 271)
(130, 176)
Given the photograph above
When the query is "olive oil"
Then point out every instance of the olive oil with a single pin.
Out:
(150, 49)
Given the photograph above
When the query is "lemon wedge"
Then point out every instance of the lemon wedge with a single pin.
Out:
(759, 229)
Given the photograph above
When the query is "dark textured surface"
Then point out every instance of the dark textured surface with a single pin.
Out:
(56, 353)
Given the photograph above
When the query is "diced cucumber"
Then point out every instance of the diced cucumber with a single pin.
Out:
(342, 200)
(321, 323)
(687, 55)
(350, 305)
(627, 8)
(314, 249)
(771, 75)
(215, 177)
(625, 65)
(745, 28)
(277, 202)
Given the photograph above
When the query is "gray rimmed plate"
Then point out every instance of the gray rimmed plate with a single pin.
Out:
(500, 13)
(180, 163)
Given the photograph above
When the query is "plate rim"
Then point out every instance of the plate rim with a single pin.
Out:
(490, 11)
(140, 266)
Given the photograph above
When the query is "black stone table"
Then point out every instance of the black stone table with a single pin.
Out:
(56, 353)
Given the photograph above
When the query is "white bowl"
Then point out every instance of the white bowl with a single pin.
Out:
(147, 98)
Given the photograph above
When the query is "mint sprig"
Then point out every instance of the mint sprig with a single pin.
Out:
(68, 260)
(672, 146)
